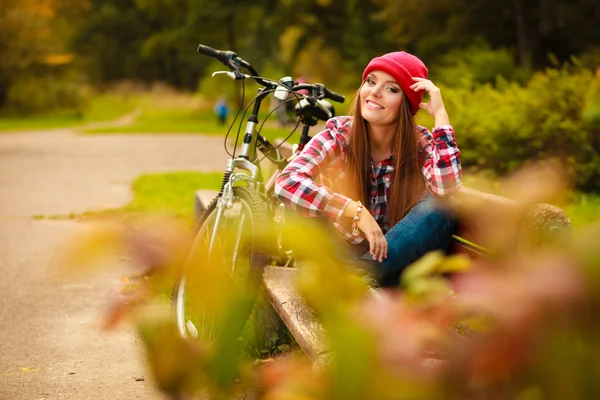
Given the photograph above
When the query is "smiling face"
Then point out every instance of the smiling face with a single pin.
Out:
(380, 99)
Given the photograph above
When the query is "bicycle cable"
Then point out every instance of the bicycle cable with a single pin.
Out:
(278, 86)
(233, 122)
(268, 91)
(296, 97)
(237, 137)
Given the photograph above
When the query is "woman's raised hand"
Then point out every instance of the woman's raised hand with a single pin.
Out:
(435, 106)
(378, 246)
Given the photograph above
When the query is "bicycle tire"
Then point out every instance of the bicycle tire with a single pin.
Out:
(246, 217)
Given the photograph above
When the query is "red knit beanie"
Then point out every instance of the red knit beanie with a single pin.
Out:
(402, 66)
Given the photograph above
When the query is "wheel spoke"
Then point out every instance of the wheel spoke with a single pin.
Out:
(237, 242)
(192, 329)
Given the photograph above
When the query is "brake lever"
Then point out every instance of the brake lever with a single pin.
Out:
(319, 90)
(235, 75)
(324, 108)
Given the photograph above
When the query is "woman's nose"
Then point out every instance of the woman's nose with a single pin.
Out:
(376, 91)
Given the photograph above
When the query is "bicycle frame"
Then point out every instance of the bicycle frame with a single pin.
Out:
(246, 161)
(251, 171)
(253, 206)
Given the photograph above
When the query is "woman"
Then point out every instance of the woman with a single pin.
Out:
(381, 175)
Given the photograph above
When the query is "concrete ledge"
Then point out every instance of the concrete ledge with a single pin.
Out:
(297, 316)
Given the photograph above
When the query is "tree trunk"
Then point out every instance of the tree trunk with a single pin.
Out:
(523, 37)
(232, 43)
(4, 86)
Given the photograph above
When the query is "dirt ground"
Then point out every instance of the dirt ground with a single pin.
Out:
(51, 346)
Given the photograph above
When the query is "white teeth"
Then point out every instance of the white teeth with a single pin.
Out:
(370, 104)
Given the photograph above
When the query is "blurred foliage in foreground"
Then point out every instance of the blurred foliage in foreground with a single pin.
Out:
(522, 325)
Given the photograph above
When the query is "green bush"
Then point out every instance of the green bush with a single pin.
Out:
(43, 93)
(477, 64)
(554, 116)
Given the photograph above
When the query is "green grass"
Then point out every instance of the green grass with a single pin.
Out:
(160, 112)
(171, 192)
(104, 107)
(186, 121)
(110, 106)
(171, 112)
(40, 122)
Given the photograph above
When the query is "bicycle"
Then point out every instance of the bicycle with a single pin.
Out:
(228, 231)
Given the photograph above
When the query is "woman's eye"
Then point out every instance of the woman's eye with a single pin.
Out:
(370, 81)
(393, 89)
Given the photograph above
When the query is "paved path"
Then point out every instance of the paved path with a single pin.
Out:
(50, 344)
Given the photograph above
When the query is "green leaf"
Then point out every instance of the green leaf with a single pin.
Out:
(455, 263)
(425, 266)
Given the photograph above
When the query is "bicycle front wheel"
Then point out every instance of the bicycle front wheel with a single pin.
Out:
(226, 258)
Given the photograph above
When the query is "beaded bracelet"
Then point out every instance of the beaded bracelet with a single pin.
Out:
(355, 231)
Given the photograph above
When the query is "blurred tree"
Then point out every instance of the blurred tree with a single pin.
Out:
(535, 29)
(108, 41)
(348, 28)
(34, 34)
(157, 39)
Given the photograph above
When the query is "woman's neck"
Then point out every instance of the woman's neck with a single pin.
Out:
(380, 139)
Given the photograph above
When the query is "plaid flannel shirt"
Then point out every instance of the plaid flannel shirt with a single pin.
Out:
(298, 188)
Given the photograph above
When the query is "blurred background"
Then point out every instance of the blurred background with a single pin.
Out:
(520, 79)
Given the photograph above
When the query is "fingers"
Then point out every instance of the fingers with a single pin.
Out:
(423, 84)
(378, 246)
(384, 249)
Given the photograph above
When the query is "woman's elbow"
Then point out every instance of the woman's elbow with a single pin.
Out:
(282, 186)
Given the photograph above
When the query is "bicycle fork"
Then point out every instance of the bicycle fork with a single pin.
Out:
(226, 198)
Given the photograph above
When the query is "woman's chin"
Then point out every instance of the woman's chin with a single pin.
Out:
(375, 120)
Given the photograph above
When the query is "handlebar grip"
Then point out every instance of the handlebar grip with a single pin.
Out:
(334, 96)
(220, 55)
(208, 51)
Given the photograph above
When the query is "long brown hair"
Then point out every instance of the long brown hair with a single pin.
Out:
(408, 183)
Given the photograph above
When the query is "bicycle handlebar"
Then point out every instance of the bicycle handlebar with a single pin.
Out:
(233, 62)
(320, 91)
(334, 96)
(220, 55)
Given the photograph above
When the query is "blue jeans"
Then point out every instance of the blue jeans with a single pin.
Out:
(427, 226)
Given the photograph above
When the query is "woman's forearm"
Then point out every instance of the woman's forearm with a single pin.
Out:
(350, 210)
(441, 118)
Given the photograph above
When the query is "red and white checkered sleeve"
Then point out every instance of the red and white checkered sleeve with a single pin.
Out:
(296, 186)
(441, 167)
